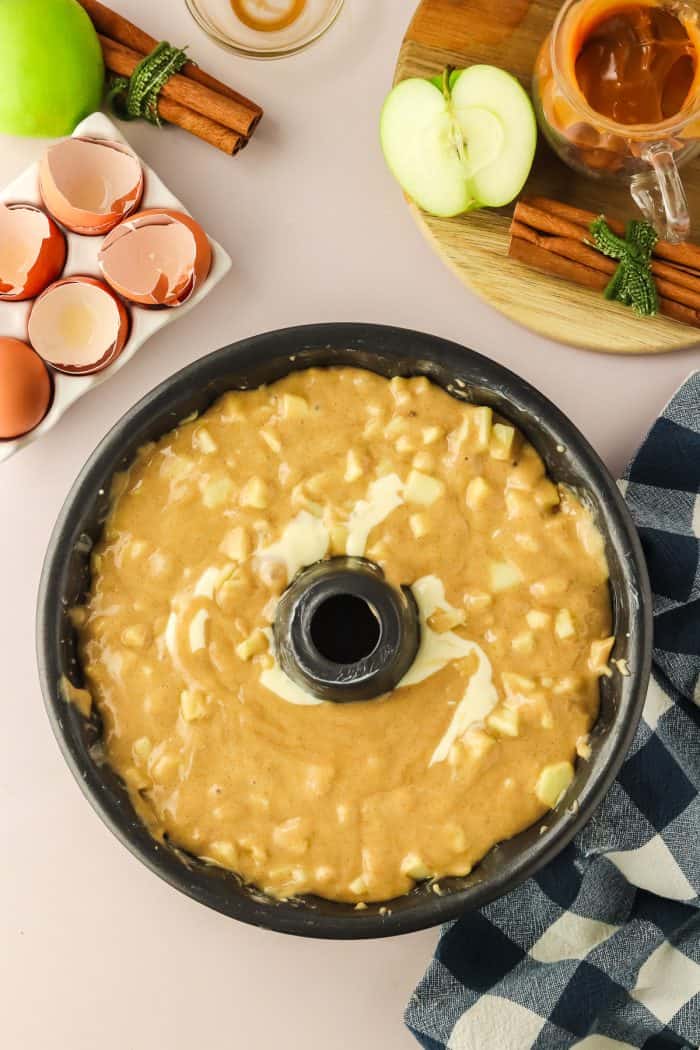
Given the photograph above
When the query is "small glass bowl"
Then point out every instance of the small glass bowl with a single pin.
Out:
(219, 21)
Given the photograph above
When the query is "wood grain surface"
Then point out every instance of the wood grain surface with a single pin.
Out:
(508, 33)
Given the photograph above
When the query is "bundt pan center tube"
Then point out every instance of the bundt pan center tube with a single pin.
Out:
(342, 633)
(385, 635)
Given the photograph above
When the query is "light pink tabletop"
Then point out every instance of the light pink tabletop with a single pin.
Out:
(97, 953)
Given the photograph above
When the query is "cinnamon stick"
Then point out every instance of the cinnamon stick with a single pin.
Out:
(208, 130)
(684, 254)
(579, 216)
(565, 247)
(670, 282)
(113, 25)
(223, 110)
(548, 262)
(546, 221)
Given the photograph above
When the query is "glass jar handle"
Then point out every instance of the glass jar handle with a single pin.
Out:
(660, 196)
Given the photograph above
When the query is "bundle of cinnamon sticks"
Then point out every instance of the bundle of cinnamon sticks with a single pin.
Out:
(191, 99)
(555, 238)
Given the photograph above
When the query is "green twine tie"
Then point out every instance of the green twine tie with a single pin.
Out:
(632, 283)
(137, 95)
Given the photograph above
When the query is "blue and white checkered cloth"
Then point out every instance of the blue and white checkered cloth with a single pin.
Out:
(602, 948)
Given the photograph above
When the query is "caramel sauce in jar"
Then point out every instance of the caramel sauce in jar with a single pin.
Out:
(615, 76)
(636, 66)
(266, 17)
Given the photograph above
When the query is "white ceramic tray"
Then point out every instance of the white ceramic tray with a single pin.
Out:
(82, 259)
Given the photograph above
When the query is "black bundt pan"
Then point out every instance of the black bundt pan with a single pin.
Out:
(389, 352)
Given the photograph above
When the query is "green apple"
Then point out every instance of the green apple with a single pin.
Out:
(51, 68)
(461, 141)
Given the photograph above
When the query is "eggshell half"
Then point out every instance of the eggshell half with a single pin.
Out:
(32, 251)
(90, 185)
(78, 325)
(156, 257)
(25, 389)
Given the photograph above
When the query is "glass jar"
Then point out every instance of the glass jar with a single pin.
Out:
(644, 156)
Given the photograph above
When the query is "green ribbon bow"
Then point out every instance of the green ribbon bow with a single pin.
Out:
(632, 283)
(137, 95)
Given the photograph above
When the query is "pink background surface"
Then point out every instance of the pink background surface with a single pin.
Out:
(98, 954)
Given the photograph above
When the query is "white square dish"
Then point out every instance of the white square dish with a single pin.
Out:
(82, 259)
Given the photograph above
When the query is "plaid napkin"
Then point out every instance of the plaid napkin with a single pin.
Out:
(602, 948)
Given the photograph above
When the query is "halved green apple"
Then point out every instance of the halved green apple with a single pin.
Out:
(462, 141)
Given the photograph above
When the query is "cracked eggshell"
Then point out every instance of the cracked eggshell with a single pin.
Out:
(25, 389)
(32, 251)
(90, 185)
(157, 257)
(78, 325)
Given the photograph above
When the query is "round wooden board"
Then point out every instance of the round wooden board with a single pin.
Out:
(508, 33)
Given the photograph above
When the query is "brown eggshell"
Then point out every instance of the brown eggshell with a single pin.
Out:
(78, 325)
(32, 251)
(90, 185)
(157, 257)
(25, 389)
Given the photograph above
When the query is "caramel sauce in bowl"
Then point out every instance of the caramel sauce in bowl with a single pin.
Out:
(265, 17)
(264, 28)
(387, 352)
